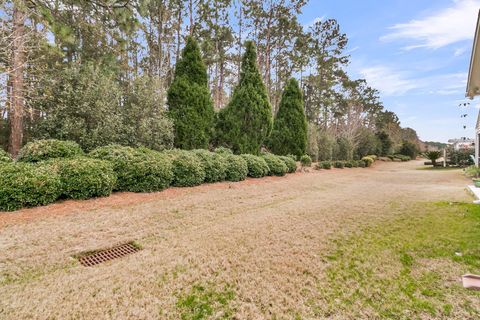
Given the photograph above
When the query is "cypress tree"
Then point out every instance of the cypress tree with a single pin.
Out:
(289, 135)
(189, 102)
(246, 122)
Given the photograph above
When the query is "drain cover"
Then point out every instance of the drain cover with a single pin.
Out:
(97, 257)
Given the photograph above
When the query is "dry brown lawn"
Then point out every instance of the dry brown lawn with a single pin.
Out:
(249, 250)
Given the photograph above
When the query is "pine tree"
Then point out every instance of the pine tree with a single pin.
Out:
(246, 122)
(289, 135)
(189, 103)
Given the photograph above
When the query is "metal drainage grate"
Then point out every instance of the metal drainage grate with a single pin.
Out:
(97, 257)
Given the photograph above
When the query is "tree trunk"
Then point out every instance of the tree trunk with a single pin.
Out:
(18, 62)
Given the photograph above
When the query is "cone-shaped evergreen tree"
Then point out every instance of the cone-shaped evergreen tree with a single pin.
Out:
(189, 102)
(246, 122)
(289, 135)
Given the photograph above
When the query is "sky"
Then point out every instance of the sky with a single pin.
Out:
(416, 53)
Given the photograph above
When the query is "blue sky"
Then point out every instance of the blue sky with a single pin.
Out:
(416, 53)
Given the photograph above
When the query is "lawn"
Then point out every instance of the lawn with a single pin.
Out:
(386, 242)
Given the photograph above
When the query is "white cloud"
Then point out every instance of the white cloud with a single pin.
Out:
(444, 27)
(388, 81)
(459, 51)
(391, 82)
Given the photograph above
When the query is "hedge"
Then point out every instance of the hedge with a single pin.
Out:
(237, 168)
(40, 150)
(215, 165)
(27, 185)
(257, 167)
(290, 163)
(188, 169)
(83, 178)
(137, 170)
(4, 156)
(276, 166)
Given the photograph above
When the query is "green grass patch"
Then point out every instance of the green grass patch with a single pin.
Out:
(406, 267)
(206, 302)
(438, 168)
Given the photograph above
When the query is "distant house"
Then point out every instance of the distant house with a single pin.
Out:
(462, 143)
(473, 84)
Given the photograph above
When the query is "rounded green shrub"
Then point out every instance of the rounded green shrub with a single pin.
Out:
(83, 178)
(137, 170)
(402, 157)
(4, 156)
(339, 164)
(368, 161)
(324, 165)
(276, 166)
(237, 168)
(354, 163)
(305, 160)
(290, 163)
(257, 167)
(361, 164)
(215, 165)
(40, 150)
(188, 170)
(374, 157)
(348, 164)
(27, 185)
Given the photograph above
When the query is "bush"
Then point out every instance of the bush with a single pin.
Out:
(237, 168)
(354, 163)
(214, 164)
(402, 157)
(344, 149)
(305, 160)
(290, 163)
(48, 149)
(361, 164)
(4, 156)
(368, 161)
(275, 165)
(339, 164)
(27, 185)
(324, 165)
(374, 157)
(188, 170)
(83, 178)
(385, 143)
(409, 149)
(257, 167)
(433, 156)
(137, 170)
(348, 164)
(472, 171)
(461, 158)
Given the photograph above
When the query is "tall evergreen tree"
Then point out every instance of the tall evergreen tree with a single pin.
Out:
(246, 122)
(189, 102)
(289, 135)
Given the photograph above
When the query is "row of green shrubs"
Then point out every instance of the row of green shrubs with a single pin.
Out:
(364, 163)
(48, 170)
